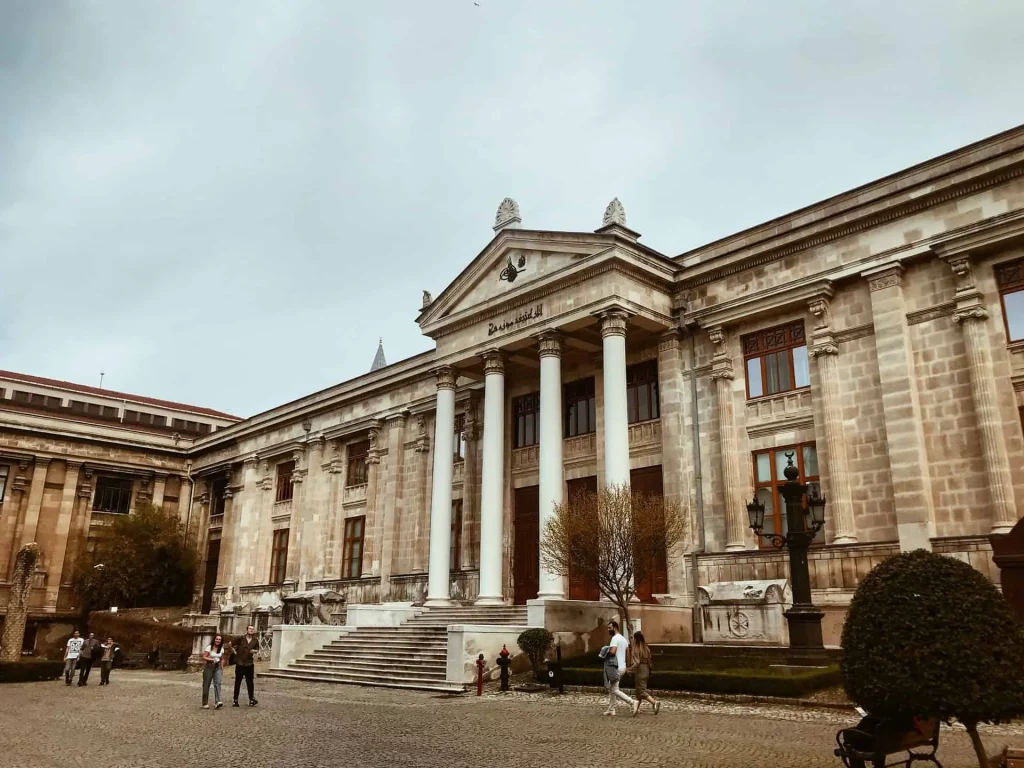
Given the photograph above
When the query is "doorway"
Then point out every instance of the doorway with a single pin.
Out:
(526, 568)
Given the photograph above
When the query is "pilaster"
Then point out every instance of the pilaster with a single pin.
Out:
(421, 526)
(825, 351)
(159, 488)
(973, 319)
(10, 520)
(722, 376)
(55, 559)
(35, 502)
(372, 538)
(901, 408)
(673, 443)
(81, 519)
(388, 522)
(184, 499)
(292, 568)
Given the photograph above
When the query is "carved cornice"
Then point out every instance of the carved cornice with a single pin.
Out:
(791, 424)
(777, 298)
(550, 344)
(852, 334)
(885, 277)
(931, 313)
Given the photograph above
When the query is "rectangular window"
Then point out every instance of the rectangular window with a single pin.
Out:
(4, 470)
(642, 403)
(460, 437)
(454, 556)
(776, 360)
(113, 494)
(352, 555)
(768, 476)
(1010, 279)
(357, 453)
(580, 407)
(279, 556)
(217, 490)
(285, 484)
(526, 411)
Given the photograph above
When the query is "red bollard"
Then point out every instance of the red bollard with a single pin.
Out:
(480, 675)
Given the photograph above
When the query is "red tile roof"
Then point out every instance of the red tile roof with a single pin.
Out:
(27, 379)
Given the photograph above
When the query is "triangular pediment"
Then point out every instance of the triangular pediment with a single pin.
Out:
(513, 261)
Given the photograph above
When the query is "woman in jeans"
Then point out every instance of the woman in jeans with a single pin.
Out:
(213, 663)
(642, 670)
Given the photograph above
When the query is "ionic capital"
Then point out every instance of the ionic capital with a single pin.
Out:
(970, 313)
(824, 348)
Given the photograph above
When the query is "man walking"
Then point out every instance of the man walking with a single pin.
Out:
(71, 653)
(245, 649)
(107, 660)
(615, 668)
(90, 648)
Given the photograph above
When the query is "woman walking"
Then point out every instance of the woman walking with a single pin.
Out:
(642, 671)
(213, 663)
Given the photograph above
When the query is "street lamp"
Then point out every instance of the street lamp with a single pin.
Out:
(805, 516)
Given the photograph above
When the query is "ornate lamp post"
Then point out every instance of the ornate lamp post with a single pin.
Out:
(803, 521)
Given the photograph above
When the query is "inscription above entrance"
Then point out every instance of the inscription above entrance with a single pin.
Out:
(523, 318)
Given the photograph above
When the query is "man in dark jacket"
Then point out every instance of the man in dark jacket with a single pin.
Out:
(91, 651)
(245, 649)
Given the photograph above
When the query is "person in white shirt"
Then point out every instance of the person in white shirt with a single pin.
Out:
(615, 668)
(72, 651)
(213, 663)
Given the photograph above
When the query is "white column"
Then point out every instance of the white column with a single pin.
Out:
(551, 470)
(492, 480)
(616, 420)
(438, 579)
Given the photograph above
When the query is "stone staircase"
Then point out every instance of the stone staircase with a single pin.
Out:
(412, 656)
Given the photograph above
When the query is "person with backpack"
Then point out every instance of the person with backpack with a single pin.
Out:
(642, 672)
(614, 655)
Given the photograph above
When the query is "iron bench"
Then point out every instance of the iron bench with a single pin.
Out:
(874, 741)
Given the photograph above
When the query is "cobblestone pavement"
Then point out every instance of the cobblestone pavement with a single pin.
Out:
(153, 720)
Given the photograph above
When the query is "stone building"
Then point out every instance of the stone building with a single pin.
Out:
(876, 337)
(72, 458)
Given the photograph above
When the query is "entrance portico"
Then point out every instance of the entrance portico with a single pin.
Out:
(537, 310)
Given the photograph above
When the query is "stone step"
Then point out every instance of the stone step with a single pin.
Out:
(369, 676)
(424, 685)
(374, 668)
(411, 643)
(390, 656)
(403, 637)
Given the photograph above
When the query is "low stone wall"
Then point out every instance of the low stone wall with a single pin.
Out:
(293, 641)
(386, 615)
(467, 641)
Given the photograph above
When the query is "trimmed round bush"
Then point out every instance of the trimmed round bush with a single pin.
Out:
(535, 644)
(928, 636)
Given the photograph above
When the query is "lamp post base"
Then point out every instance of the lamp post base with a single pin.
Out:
(806, 646)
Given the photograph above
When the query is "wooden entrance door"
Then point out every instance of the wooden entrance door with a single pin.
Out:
(526, 563)
(581, 588)
(649, 481)
(212, 561)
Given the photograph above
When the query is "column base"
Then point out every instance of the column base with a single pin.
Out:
(735, 547)
(437, 602)
(845, 540)
(551, 596)
(1002, 527)
(492, 600)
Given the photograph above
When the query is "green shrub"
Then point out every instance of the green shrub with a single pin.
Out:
(30, 671)
(929, 636)
(736, 681)
(535, 644)
(138, 635)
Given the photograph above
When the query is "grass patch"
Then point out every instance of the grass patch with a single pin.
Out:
(30, 671)
(785, 683)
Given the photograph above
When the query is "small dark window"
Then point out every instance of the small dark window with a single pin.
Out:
(109, 412)
(54, 403)
(113, 494)
(352, 555)
(526, 411)
(159, 421)
(279, 556)
(77, 406)
(454, 555)
(22, 398)
(285, 484)
(460, 437)
(642, 402)
(4, 470)
(1010, 279)
(94, 409)
(776, 360)
(580, 408)
(357, 453)
(204, 429)
(217, 491)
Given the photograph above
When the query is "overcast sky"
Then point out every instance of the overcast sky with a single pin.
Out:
(226, 203)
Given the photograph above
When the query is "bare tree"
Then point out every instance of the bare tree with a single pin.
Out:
(613, 538)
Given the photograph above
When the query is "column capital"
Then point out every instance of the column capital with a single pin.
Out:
(73, 464)
(669, 340)
(824, 348)
(970, 313)
(494, 362)
(550, 343)
(446, 377)
(396, 419)
(613, 321)
(884, 277)
(820, 307)
(717, 335)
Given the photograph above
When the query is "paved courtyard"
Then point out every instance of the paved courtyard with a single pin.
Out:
(153, 720)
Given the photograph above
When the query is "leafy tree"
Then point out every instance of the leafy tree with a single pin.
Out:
(929, 636)
(145, 560)
(535, 643)
(613, 538)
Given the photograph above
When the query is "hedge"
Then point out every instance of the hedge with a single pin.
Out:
(139, 635)
(746, 681)
(30, 671)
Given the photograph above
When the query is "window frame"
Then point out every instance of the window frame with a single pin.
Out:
(778, 513)
(352, 567)
(455, 549)
(525, 410)
(639, 377)
(5, 475)
(279, 556)
(356, 468)
(124, 493)
(460, 438)
(758, 346)
(1009, 280)
(284, 487)
(575, 393)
